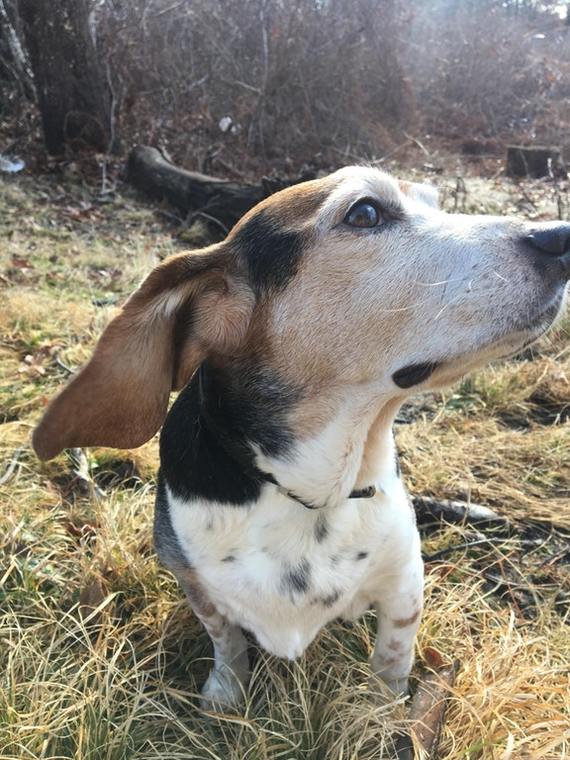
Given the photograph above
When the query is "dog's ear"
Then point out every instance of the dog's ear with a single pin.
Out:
(189, 306)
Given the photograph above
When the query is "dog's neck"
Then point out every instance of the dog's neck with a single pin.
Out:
(234, 429)
(353, 449)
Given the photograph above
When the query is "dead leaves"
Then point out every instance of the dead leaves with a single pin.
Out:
(91, 598)
(34, 365)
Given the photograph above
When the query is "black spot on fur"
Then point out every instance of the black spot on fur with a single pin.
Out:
(272, 253)
(398, 468)
(334, 559)
(321, 528)
(413, 374)
(361, 555)
(296, 578)
(330, 599)
(229, 558)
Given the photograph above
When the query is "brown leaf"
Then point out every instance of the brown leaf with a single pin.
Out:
(20, 263)
(91, 596)
(433, 658)
(81, 529)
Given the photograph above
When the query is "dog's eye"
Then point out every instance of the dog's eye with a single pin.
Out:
(363, 214)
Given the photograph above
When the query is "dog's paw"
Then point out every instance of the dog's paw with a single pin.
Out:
(222, 691)
(398, 686)
(380, 684)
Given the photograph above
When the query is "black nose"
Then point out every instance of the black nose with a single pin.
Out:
(551, 237)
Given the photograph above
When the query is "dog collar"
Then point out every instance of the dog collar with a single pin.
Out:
(357, 493)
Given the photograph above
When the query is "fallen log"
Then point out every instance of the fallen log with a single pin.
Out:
(194, 194)
(455, 511)
(427, 713)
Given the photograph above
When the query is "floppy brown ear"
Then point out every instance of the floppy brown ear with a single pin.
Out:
(190, 305)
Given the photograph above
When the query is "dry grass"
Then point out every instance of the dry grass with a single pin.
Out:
(100, 656)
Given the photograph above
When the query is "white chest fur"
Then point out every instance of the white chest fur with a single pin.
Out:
(283, 571)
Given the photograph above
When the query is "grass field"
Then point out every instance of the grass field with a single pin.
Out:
(100, 658)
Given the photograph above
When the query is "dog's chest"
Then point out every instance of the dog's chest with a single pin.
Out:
(282, 571)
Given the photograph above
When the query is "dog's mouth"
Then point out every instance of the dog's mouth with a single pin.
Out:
(521, 333)
(542, 318)
(515, 337)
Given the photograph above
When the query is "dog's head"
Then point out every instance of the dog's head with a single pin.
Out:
(350, 281)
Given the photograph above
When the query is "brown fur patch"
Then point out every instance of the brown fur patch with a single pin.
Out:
(292, 207)
(196, 593)
(405, 622)
(375, 442)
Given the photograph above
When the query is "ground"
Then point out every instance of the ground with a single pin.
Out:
(100, 656)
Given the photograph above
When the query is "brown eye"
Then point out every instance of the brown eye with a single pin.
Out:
(363, 214)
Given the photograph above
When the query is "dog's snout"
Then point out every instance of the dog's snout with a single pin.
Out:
(552, 238)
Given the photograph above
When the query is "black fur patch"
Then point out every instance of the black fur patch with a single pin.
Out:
(193, 462)
(361, 555)
(229, 558)
(272, 253)
(296, 578)
(413, 374)
(252, 402)
(321, 529)
(208, 455)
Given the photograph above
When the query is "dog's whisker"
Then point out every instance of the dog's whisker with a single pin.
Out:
(440, 282)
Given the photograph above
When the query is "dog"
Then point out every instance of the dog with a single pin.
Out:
(295, 341)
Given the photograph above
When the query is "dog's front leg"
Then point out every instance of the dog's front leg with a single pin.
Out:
(229, 677)
(398, 610)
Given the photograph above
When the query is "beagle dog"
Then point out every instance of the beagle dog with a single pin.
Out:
(295, 341)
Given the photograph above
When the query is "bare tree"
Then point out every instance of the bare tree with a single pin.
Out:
(14, 66)
(74, 96)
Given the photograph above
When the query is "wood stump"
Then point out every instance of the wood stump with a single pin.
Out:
(534, 161)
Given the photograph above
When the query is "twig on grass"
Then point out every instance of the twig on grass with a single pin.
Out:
(60, 363)
(477, 542)
(11, 468)
(390, 153)
(463, 545)
(209, 218)
(427, 714)
(420, 145)
(81, 472)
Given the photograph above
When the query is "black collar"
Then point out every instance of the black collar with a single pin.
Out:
(357, 493)
(241, 453)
